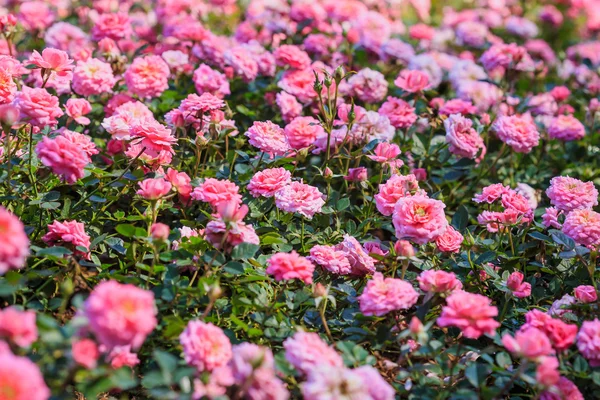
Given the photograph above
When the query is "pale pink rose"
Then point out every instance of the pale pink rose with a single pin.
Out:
(114, 26)
(154, 189)
(21, 378)
(38, 107)
(242, 61)
(288, 266)
(292, 56)
(63, 157)
(463, 140)
(566, 390)
(562, 306)
(248, 358)
(419, 219)
(412, 81)
(209, 80)
(306, 350)
(18, 326)
(472, 313)
(77, 108)
(361, 262)
(568, 194)
(288, 105)
(503, 56)
(215, 191)
(457, 106)
(399, 112)
(542, 104)
(547, 373)
(68, 233)
(518, 203)
(84, 142)
(357, 174)
(385, 152)
(372, 126)
(299, 197)
(438, 282)
(586, 294)
(550, 218)
(299, 83)
(92, 77)
(588, 341)
(368, 85)
(147, 77)
(449, 241)
(301, 132)
(334, 261)
(326, 382)
(531, 344)
(153, 136)
(378, 387)
(383, 295)
(268, 137)
(8, 87)
(15, 243)
(566, 128)
(53, 60)
(519, 132)
(35, 15)
(85, 353)
(516, 285)
(583, 226)
(218, 381)
(397, 187)
(227, 229)
(267, 182)
(122, 356)
(177, 60)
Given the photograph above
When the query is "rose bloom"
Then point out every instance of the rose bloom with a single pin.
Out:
(288, 105)
(267, 182)
(122, 356)
(491, 193)
(120, 314)
(588, 341)
(333, 260)
(546, 372)
(299, 83)
(301, 132)
(8, 87)
(328, 383)
(77, 108)
(215, 191)
(20, 378)
(519, 132)
(457, 106)
(361, 262)
(561, 334)
(85, 353)
(397, 187)
(83, 141)
(242, 61)
(550, 218)
(368, 85)
(383, 295)
(15, 243)
(287, 266)
(209, 80)
(154, 136)
(385, 152)
(205, 346)
(248, 358)
(586, 294)
(292, 56)
(519, 288)
(449, 241)
(531, 344)
(463, 140)
(583, 226)
(92, 77)
(569, 194)
(53, 60)
(403, 248)
(114, 26)
(378, 387)
(566, 390)
(400, 113)
(63, 157)
(154, 189)
(472, 313)
(412, 81)
(566, 128)
(438, 282)
(38, 107)
(160, 231)
(419, 219)
(147, 77)
(68, 232)
(18, 326)
(306, 350)
(268, 137)
(562, 306)
(299, 197)
(356, 174)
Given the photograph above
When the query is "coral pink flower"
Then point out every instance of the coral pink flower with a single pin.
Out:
(586, 294)
(301, 132)
(147, 77)
(400, 113)
(205, 346)
(120, 314)
(561, 334)
(8, 87)
(53, 60)
(516, 285)
(463, 140)
(519, 132)
(531, 344)
(292, 56)
(566, 128)
(211, 81)
(397, 187)
(18, 326)
(267, 182)
(412, 81)
(85, 353)
(299, 197)
(299, 83)
(472, 313)
(583, 226)
(287, 266)
(382, 295)
(214, 191)
(288, 105)
(449, 241)
(566, 390)
(160, 231)
(491, 193)
(333, 260)
(121, 356)
(38, 107)
(438, 282)
(68, 233)
(268, 137)
(20, 378)
(15, 243)
(92, 77)
(114, 26)
(77, 108)
(385, 152)
(63, 157)
(569, 194)
(153, 136)
(84, 142)
(419, 218)
(368, 85)
(547, 373)
(154, 189)
(181, 182)
(306, 350)
(588, 341)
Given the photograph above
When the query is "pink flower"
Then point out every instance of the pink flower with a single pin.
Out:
(463, 140)
(397, 187)
(361, 262)
(193, 105)
(334, 261)
(160, 231)
(154, 136)
(583, 226)
(120, 314)
(181, 182)
(547, 373)
(403, 248)
(550, 218)
(67, 37)
(439, 282)
(288, 105)
(292, 56)
(586, 294)
(519, 132)
(209, 80)
(121, 356)
(35, 15)
(503, 56)
(457, 106)
(306, 350)
(531, 344)
(412, 81)
(566, 128)
(38, 107)
(214, 191)
(114, 26)
(242, 61)
(299, 83)
(154, 189)
(385, 152)
(562, 306)
(85, 353)
(268, 137)
(205, 346)
(287, 266)
(472, 313)
(326, 382)
(227, 229)
(77, 108)
(215, 385)
(299, 197)
(588, 341)
(368, 85)
(92, 77)
(519, 288)
(491, 193)
(267, 182)
(400, 113)
(569, 194)
(20, 378)
(379, 388)
(18, 326)
(382, 295)
(8, 87)
(84, 142)
(566, 390)
(147, 77)
(53, 60)
(561, 334)
(15, 243)
(301, 132)
(357, 174)
(63, 157)
(449, 241)
(419, 218)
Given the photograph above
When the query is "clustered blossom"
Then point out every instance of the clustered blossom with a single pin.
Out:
(287, 266)
(471, 313)
(205, 346)
(513, 208)
(383, 295)
(15, 243)
(419, 219)
(68, 233)
(298, 197)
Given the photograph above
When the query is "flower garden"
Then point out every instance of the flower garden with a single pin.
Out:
(299, 199)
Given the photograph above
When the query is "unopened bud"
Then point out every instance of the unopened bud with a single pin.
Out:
(160, 231)
(415, 326)
(339, 74)
(215, 291)
(319, 290)
(327, 173)
(404, 248)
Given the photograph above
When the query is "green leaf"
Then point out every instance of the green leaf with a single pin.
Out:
(167, 363)
(234, 268)
(126, 230)
(244, 251)
(56, 251)
(477, 374)
(460, 220)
